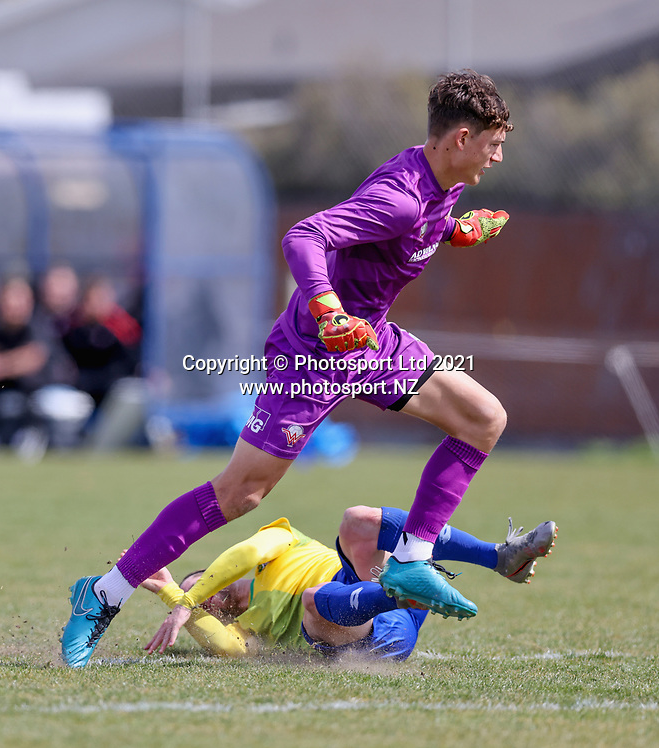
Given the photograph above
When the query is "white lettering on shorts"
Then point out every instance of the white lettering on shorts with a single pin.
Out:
(354, 598)
(258, 420)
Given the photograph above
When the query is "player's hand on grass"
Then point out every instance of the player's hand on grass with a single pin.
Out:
(339, 330)
(477, 227)
(168, 631)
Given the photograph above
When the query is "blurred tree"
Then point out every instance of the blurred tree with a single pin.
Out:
(343, 129)
(593, 147)
(590, 145)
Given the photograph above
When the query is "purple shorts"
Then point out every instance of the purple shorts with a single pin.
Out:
(303, 387)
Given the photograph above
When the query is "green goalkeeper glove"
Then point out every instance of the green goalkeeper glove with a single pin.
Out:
(477, 227)
(339, 330)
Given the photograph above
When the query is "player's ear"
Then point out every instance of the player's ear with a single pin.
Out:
(461, 136)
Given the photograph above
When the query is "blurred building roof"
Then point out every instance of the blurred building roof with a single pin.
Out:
(139, 43)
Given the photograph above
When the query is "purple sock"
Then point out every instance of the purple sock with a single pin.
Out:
(443, 483)
(177, 527)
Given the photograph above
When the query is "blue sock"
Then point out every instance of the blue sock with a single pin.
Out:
(352, 604)
(451, 545)
(455, 545)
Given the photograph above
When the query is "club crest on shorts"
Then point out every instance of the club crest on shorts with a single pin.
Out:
(293, 434)
(258, 420)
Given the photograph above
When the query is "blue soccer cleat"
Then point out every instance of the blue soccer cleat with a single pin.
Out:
(421, 582)
(89, 619)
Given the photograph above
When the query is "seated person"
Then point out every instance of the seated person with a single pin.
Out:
(23, 358)
(103, 340)
(305, 595)
(59, 292)
(57, 301)
(39, 408)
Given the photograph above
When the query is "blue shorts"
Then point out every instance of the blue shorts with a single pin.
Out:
(394, 634)
(304, 389)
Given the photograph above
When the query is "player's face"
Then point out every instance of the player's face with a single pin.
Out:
(480, 152)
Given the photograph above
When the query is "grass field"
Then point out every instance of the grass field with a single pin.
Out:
(571, 660)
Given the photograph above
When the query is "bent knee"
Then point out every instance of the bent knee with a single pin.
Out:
(359, 522)
(494, 417)
(484, 424)
(239, 504)
(238, 499)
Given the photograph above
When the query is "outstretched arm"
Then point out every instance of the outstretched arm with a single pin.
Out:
(205, 629)
(268, 543)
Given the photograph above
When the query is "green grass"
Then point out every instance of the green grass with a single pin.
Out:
(571, 660)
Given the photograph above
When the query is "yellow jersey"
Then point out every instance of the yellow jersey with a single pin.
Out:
(286, 562)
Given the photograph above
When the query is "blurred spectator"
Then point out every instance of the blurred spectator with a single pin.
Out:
(58, 298)
(38, 406)
(59, 295)
(103, 340)
(23, 359)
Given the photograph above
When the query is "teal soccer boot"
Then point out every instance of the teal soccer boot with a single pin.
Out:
(89, 619)
(421, 582)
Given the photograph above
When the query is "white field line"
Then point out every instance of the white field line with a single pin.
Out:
(569, 654)
(548, 655)
(581, 705)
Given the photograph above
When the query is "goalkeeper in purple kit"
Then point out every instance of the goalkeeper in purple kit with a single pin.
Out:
(350, 262)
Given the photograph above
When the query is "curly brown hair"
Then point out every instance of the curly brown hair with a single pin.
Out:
(466, 96)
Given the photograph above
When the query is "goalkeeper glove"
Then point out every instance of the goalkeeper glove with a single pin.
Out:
(338, 330)
(476, 227)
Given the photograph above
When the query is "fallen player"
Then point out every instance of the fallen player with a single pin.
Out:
(305, 595)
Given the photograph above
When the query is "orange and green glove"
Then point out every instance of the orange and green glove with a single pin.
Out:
(339, 330)
(477, 227)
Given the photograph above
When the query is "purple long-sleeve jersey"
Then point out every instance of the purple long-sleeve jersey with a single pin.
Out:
(368, 248)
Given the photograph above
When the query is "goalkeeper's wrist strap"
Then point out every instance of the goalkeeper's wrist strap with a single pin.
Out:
(463, 227)
(325, 302)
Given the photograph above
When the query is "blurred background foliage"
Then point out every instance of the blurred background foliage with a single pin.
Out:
(594, 146)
